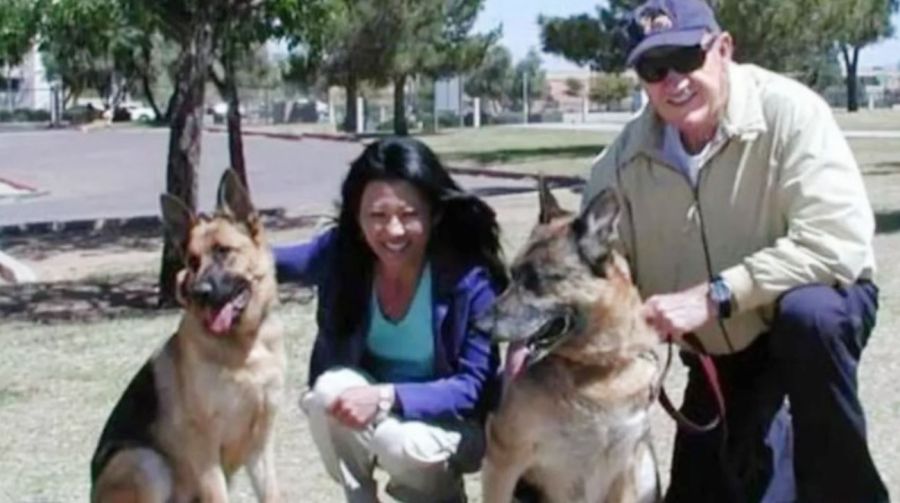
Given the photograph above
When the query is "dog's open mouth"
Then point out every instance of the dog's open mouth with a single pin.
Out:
(548, 337)
(220, 320)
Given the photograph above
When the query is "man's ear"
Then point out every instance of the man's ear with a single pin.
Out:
(725, 46)
(549, 207)
(596, 229)
(178, 220)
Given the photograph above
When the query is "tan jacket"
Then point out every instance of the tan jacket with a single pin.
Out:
(780, 200)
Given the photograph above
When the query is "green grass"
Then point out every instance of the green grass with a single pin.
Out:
(571, 152)
(877, 156)
(520, 149)
(869, 120)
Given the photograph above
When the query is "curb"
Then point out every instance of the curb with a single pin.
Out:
(553, 180)
(17, 185)
(291, 136)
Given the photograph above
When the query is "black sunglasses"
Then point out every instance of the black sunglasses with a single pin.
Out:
(653, 68)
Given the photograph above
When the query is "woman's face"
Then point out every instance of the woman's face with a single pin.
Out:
(396, 222)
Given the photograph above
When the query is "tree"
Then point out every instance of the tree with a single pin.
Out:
(595, 41)
(492, 79)
(18, 27)
(788, 37)
(528, 69)
(240, 45)
(200, 28)
(609, 88)
(574, 87)
(433, 38)
(863, 22)
(357, 48)
(90, 44)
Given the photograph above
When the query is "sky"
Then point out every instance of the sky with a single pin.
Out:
(521, 32)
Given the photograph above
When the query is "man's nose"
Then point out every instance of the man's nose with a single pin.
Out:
(673, 80)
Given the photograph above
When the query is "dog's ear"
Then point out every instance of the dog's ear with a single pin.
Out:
(233, 199)
(550, 208)
(177, 221)
(597, 227)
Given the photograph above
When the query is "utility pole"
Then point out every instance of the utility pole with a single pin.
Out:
(435, 114)
(525, 97)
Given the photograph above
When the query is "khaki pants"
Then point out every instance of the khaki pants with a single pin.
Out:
(425, 461)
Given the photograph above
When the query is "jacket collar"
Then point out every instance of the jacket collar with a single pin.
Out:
(743, 117)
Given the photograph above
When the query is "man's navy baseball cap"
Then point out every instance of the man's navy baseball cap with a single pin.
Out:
(661, 23)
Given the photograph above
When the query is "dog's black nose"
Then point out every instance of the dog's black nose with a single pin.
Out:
(203, 291)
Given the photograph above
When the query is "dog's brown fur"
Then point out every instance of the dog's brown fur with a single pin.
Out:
(574, 424)
(204, 404)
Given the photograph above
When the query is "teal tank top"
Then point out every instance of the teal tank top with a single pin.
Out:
(403, 351)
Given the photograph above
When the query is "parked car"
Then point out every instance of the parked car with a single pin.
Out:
(139, 112)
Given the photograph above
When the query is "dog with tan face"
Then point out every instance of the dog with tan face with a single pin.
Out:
(574, 424)
(204, 404)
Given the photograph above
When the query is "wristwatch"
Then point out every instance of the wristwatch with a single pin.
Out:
(385, 400)
(720, 295)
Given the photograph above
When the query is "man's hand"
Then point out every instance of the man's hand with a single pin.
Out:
(675, 314)
(356, 407)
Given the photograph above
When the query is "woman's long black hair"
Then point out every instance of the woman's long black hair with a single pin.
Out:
(464, 226)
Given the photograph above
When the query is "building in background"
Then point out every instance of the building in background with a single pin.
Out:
(26, 86)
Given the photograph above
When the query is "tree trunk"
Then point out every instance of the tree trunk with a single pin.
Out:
(350, 116)
(147, 56)
(148, 94)
(401, 128)
(235, 138)
(170, 107)
(850, 63)
(185, 138)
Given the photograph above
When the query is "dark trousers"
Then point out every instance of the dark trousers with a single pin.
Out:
(811, 356)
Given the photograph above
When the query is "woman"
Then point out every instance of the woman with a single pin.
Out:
(399, 377)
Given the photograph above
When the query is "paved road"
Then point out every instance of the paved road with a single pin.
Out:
(119, 173)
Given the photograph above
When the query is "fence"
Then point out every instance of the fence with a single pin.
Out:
(29, 104)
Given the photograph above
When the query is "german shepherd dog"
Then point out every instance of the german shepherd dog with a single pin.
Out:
(204, 404)
(574, 425)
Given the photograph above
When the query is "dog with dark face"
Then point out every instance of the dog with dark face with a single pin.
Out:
(574, 424)
(204, 404)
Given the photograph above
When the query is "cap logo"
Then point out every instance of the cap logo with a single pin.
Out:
(655, 20)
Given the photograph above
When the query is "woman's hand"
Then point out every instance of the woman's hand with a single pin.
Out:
(356, 407)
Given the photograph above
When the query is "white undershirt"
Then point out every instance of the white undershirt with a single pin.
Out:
(675, 153)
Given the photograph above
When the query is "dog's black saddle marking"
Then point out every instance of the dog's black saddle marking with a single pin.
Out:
(129, 424)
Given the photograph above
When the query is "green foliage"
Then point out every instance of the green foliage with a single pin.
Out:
(434, 36)
(574, 87)
(493, 78)
(92, 44)
(595, 41)
(609, 88)
(530, 68)
(18, 27)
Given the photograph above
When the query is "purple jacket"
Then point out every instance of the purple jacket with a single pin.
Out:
(465, 361)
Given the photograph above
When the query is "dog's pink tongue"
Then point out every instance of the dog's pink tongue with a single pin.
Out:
(220, 322)
(515, 360)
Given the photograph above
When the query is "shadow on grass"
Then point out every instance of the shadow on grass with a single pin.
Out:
(887, 222)
(97, 300)
(514, 155)
(36, 242)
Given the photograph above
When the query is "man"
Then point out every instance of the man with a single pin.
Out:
(747, 224)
